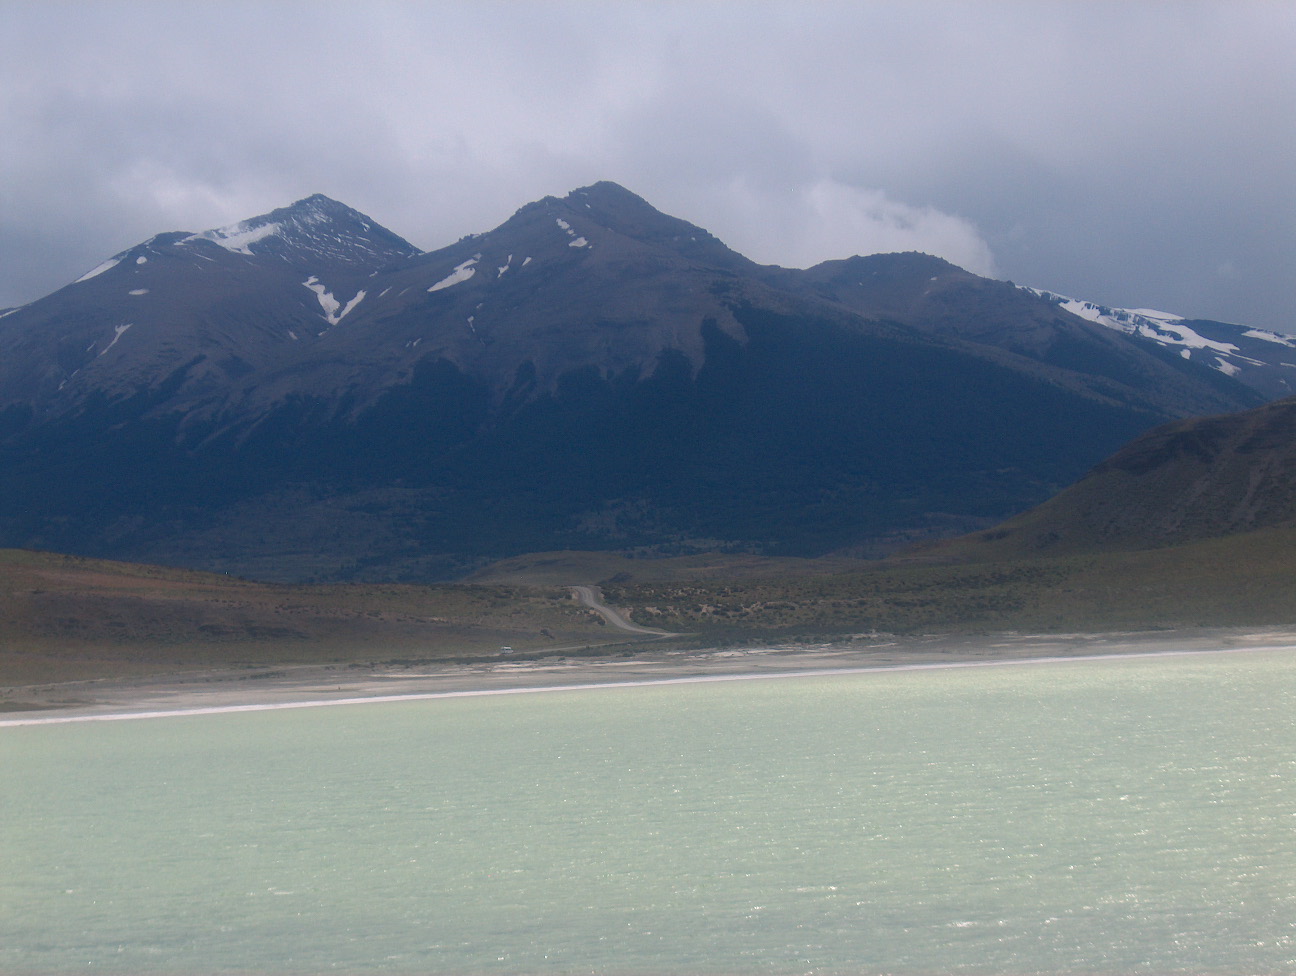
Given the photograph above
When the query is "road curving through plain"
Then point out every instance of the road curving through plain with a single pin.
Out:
(589, 596)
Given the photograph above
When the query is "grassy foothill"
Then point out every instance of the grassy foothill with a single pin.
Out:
(67, 618)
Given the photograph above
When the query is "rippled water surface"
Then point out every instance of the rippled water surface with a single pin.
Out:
(1131, 816)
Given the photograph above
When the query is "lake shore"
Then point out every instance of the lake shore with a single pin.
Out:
(316, 684)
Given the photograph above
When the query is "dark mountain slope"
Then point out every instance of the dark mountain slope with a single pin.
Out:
(808, 437)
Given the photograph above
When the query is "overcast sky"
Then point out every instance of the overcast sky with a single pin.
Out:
(1134, 154)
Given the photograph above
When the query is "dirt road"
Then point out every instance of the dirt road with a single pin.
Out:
(590, 597)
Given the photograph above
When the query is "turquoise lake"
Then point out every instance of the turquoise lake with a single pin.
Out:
(1097, 817)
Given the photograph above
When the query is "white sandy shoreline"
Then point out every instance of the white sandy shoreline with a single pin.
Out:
(180, 701)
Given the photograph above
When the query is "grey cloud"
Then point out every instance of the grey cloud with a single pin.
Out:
(1134, 154)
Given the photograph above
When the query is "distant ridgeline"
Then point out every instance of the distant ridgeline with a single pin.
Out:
(306, 395)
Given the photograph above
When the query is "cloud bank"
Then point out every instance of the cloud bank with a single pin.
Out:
(1131, 154)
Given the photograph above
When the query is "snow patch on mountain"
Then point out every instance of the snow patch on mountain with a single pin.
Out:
(461, 273)
(1270, 337)
(237, 238)
(1185, 336)
(98, 270)
(1224, 366)
(1171, 330)
(328, 303)
(334, 311)
(359, 296)
(1127, 320)
(567, 229)
(1150, 323)
(120, 331)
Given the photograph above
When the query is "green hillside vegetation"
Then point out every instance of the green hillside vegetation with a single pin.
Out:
(66, 618)
(1240, 580)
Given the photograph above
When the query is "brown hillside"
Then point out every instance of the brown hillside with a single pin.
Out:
(1185, 481)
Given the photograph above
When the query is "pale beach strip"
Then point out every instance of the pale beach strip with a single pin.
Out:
(636, 683)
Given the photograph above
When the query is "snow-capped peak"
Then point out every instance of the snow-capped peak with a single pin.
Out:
(1163, 327)
(315, 229)
(1127, 320)
(1173, 331)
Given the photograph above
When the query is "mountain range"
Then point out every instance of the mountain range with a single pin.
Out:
(307, 395)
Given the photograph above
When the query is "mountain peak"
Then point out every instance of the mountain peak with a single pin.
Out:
(313, 229)
(317, 200)
(613, 207)
(607, 194)
(317, 207)
(891, 265)
(616, 208)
